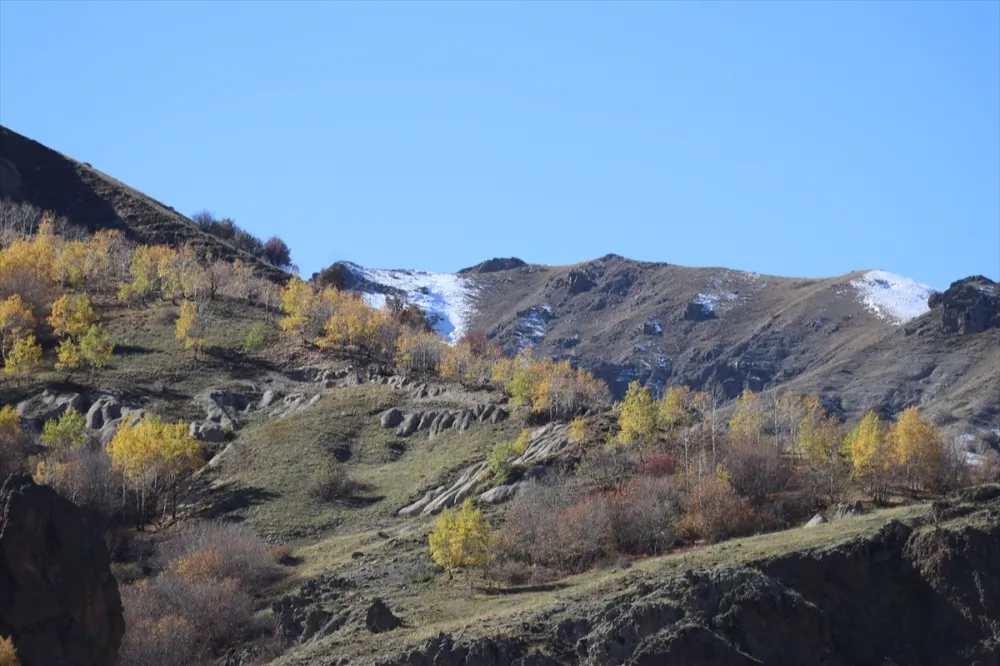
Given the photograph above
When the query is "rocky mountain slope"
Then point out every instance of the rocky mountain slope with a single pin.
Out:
(869, 339)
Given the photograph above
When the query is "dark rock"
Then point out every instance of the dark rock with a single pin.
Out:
(494, 265)
(846, 510)
(968, 306)
(579, 282)
(696, 311)
(392, 418)
(379, 618)
(58, 600)
(499, 414)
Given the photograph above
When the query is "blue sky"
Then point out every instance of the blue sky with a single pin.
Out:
(793, 138)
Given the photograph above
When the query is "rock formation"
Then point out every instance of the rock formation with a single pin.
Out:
(58, 599)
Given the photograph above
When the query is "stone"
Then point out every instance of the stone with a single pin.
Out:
(500, 494)
(409, 425)
(696, 311)
(579, 282)
(392, 418)
(847, 509)
(207, 431)
(60, 602)
(815, 521)
(379, 618)
(268, 398)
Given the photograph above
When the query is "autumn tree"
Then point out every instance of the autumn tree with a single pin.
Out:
(637, 417)
(747, 422)
(96, 347)
(72, 315)
(151, 454)
(67, 432)
(460, 539)
(916, 446)
(275, 252)
(296, 304)
(28, 267)
(16, 321)
(820, 438)
(24, 358)
(867, 448)
(187, 327)
(10, 441)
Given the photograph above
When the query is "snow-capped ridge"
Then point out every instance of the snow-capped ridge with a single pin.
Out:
(891, 296)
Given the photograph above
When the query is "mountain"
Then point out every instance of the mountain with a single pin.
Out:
(35, 174)
(865, 340)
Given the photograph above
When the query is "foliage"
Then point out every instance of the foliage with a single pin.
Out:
(471, 359)
(714, 510)
(916, 446)
(296, 302)
(756, 468)
(96, 347)
(460, 538)
(867, 449)
(550, 387)
(187, 327)
(68, 355)
(747, 422)
(16, 320)
(675, 408)
(67, 432)
(420, 352)
(10, 440)
(276, 252)
(637, 419)
(72, 315)
(8, 654)
(578, 430)
(24, 357)
(330, 482)
(499, 467)
(255, 339)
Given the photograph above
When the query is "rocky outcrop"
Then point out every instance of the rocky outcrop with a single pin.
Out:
(968, 306)
(379, 618)
(903, 595)
(316, 610)
(58, 600)
(103, 413)
(436, 421)
(494, 265)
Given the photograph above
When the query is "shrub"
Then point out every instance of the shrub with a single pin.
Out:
(660, 464)
(8, 654)
(609, 468)
(330, 482)
(255, 340)
(126, 572)
(460, 538)
(757, 469)
(715, 511)
(644, 515)
(282, 555)
(237, 552)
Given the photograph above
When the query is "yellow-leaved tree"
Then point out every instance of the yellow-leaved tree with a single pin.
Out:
(916, 446)
(675, 407)
(16, 321)
(72, 315)
(637, 417)
(8, 653)
(152, 455)
(747, 422)
(187, 328)
(24, 358)
(296, 304)
(461, 539)
(96, 347)
(10, 440)
(867, 449)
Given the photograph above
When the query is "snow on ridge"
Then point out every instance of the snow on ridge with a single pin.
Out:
(893, 297)
(448, 299)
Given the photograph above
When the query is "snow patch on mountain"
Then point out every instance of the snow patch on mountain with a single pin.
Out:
(894, 297)
(448, 299)
(530, 328)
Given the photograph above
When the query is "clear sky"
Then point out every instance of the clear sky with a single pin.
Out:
(794, 138)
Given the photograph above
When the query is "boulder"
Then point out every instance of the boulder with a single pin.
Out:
(104, 410)
(698, 311)
(379, 618)
(268, 398)
(49, 405)
(58, 600)
(207, 431)
(392, 418)
(579, 282)
(815, 521)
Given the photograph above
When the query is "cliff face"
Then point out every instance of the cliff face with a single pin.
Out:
(902, 596)
(58, 599)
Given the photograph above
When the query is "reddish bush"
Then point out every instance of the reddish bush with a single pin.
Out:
(757, 469)
(644, 515)
(227, 550)
(660, 464)
(716, 512)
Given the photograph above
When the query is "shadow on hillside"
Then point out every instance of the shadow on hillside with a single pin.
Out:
(359, 502)
(236, 360)
(522, 589)
(236, 499)
(131, 350)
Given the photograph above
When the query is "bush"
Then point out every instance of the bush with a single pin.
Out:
(282, 555)
(644, 515)
(756, 468)
(715, 511)
(255, 339)
(8, 654)
(126, 572)
(609, 468)
(226, 550)
(660, 464)
(329, 483)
